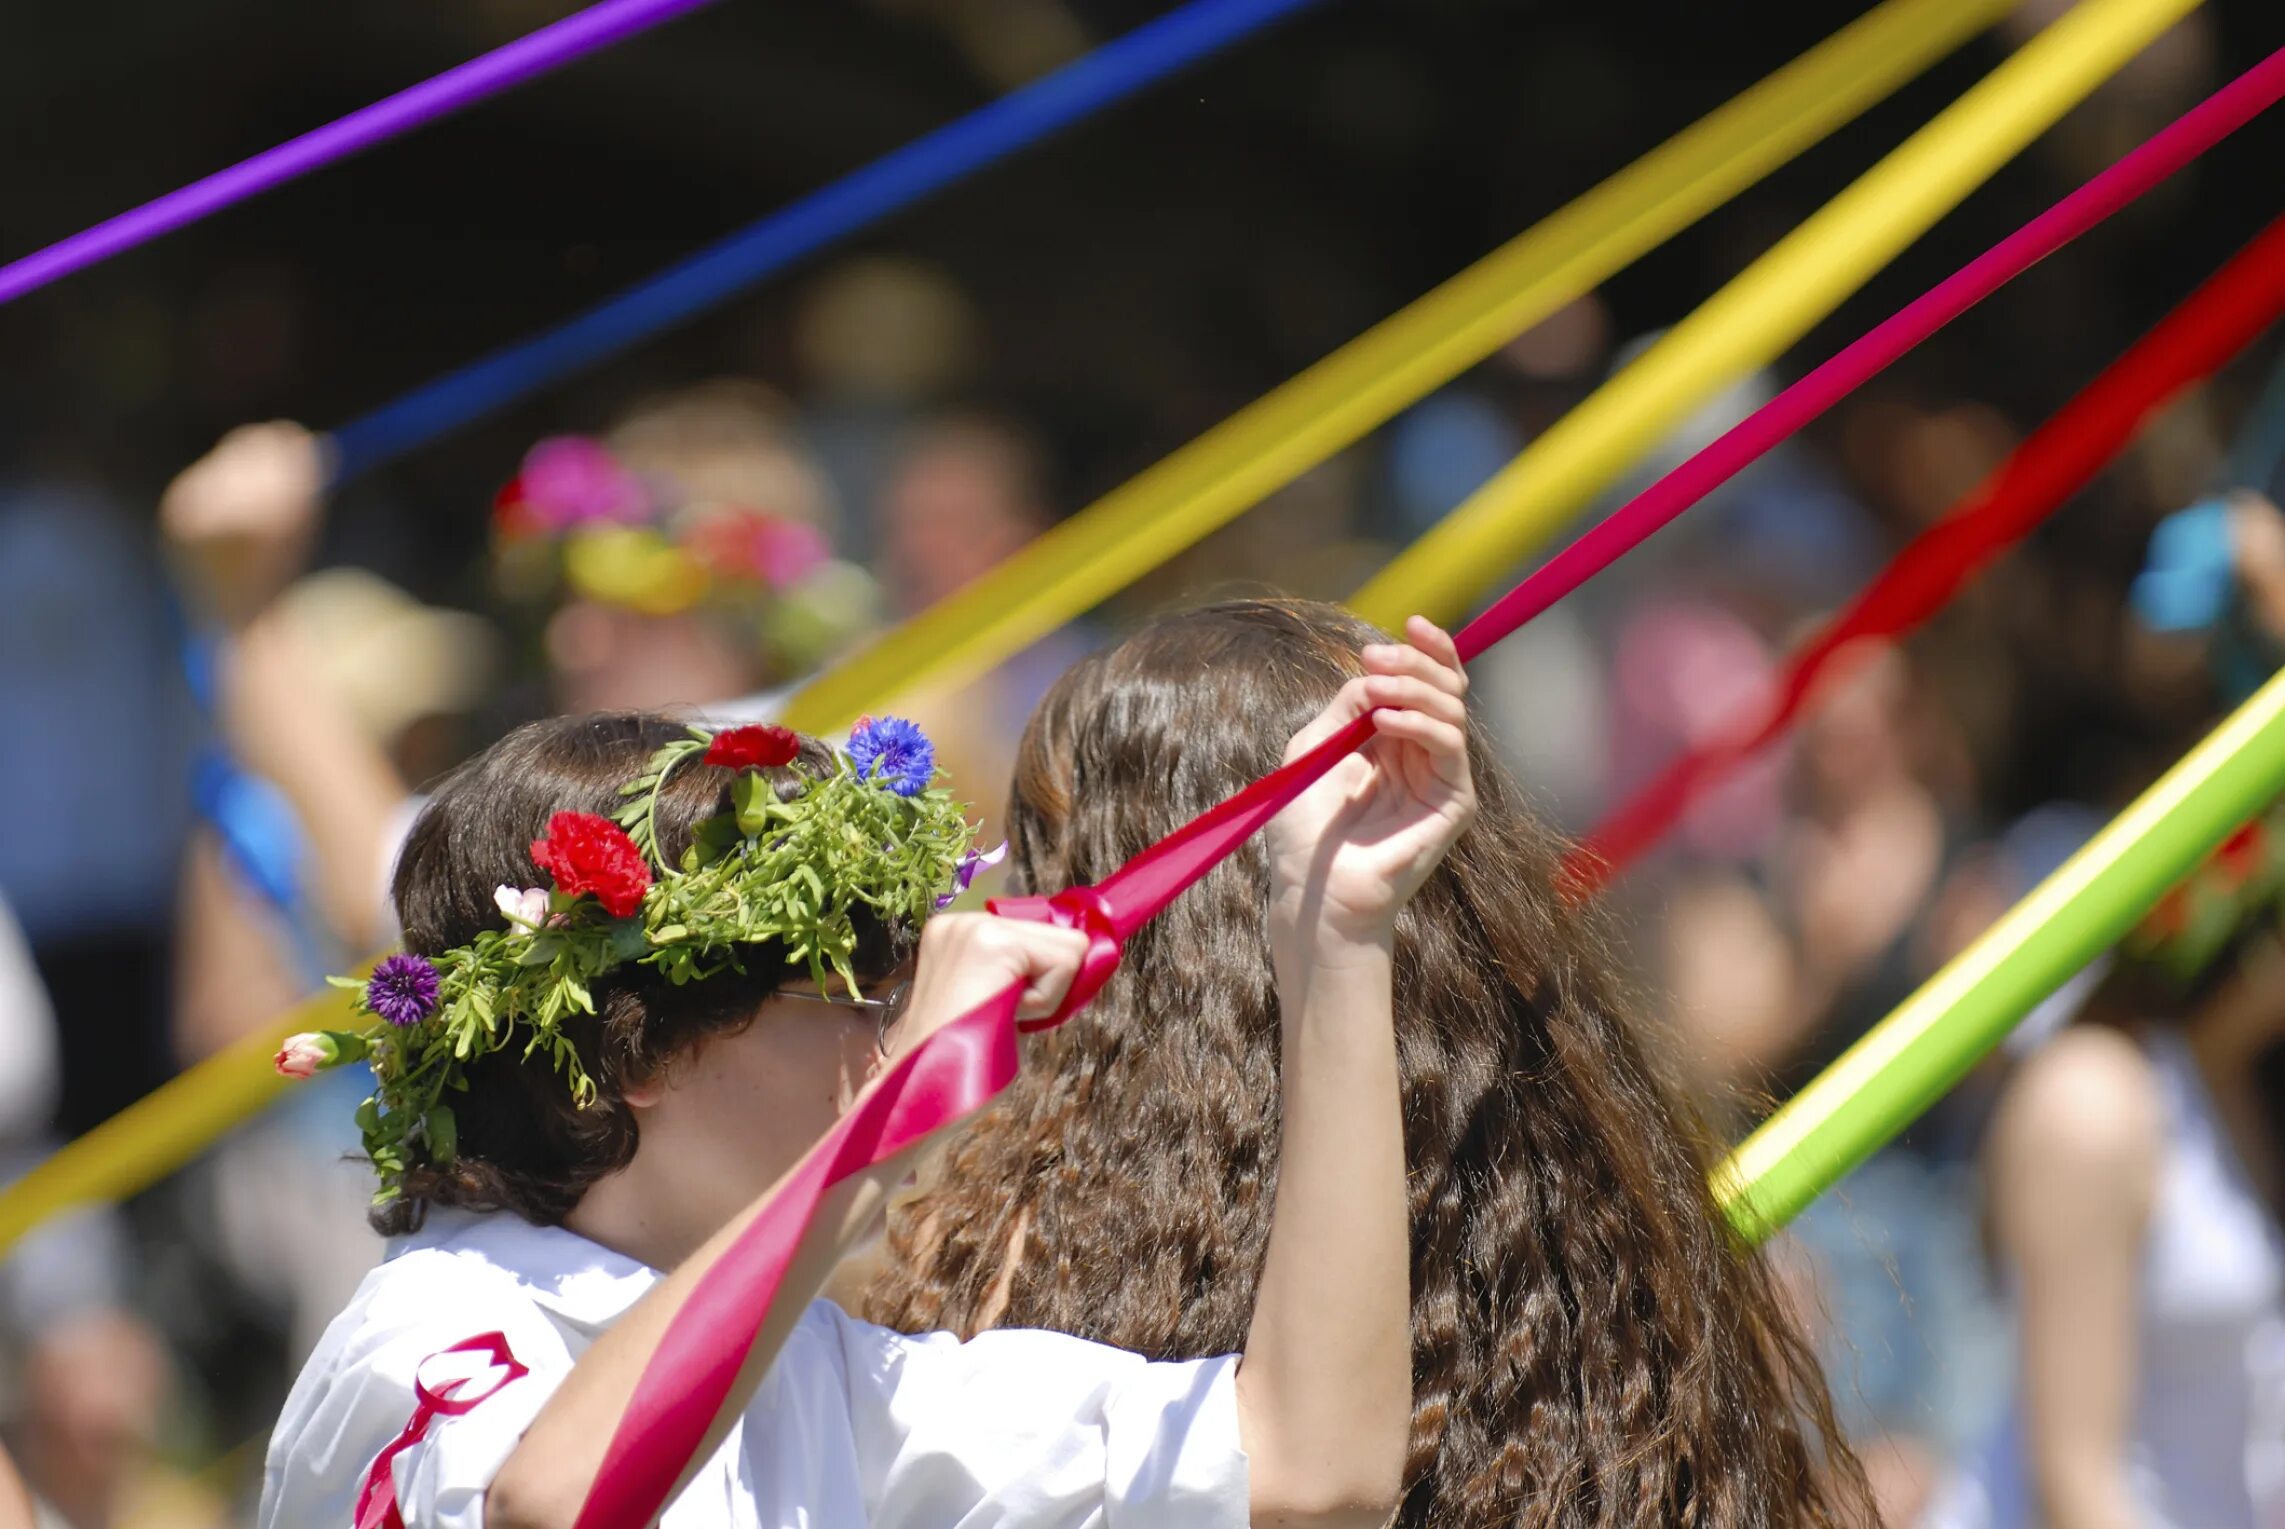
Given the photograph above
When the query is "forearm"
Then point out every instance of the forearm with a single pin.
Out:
(547, 1479)
(1325, 1388)
(15, 1497)
(2087, 1492)
(232, 975)
(282, 725)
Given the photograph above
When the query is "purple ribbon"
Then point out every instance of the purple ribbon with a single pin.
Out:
(598, 26)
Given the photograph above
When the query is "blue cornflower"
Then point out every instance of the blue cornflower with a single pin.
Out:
(894, 753)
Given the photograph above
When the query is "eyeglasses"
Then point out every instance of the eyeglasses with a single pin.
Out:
(885, 1010)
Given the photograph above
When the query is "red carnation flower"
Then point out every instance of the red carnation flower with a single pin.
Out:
(750, 748)
(586, 853)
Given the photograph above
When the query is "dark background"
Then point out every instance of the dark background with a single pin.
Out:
(1140, 276)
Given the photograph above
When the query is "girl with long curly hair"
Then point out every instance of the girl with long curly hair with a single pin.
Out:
(1591, 1346)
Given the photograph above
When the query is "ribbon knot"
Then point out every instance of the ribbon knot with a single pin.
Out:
(1088, 910)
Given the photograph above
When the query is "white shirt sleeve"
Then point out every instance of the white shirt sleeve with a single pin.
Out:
(441, 1481)
(356, 1396)
(1040, 1430)
(28, 1065)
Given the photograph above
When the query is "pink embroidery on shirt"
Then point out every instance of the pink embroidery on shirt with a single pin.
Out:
(377, 1501)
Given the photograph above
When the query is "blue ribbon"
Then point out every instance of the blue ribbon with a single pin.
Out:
(733, 264)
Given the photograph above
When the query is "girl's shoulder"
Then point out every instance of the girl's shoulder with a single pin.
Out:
(2091, 1096)
(2080, 1136)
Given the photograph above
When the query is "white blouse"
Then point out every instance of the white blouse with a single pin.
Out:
(854, 1425)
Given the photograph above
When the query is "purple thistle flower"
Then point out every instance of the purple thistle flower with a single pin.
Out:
(964, 874)
(894, 753)
(402, 989)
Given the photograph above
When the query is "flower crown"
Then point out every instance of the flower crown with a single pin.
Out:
(789, 865)
(576, 517)
(2242, 880)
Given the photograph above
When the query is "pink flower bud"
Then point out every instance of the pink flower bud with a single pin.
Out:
(527, 907)
(305, 1053)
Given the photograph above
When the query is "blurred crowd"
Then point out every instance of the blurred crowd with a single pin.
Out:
(218, 714)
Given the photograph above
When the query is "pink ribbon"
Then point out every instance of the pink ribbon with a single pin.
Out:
(377, 1499)
(2183, 140)
(2226, 314)
(1091, 911)
(959, 1068)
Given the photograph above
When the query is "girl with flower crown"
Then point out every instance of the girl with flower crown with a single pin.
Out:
(1591, 1347)
(587, 1090)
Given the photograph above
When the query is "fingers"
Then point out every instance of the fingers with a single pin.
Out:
(967, 957)
(1052, 958)
(1397, 692)
(1445, 743)
(1430, 655)
(1418, 689)
(1433, 640)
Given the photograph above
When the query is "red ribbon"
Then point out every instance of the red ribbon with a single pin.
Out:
(959, 1068)
(377, 1500)
(2213, 324)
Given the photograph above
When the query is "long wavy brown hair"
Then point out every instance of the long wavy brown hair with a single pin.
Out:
(1591, 1346)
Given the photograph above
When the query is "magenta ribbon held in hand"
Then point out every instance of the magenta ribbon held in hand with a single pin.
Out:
(959, 1068)
(1093, 913)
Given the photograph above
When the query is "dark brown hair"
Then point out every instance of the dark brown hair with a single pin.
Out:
(523, 1145)
(1591, 1346)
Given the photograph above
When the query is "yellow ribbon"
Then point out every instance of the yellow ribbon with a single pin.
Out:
(1275, 439)
(1769, 306)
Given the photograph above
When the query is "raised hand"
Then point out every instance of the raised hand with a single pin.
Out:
(243, 518)
(1352, 850)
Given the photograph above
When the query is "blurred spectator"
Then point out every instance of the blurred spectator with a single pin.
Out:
(242, 521)
(1685, 671)
(686, 559)
(683, 561)
(880, 341)
(965, 492)
(1870, 846)
(85, 1402)
(1733, 978)
(285, 1191)
(2136, 1179)
(92, 763)
(2137, 1170)
(97, 1391)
